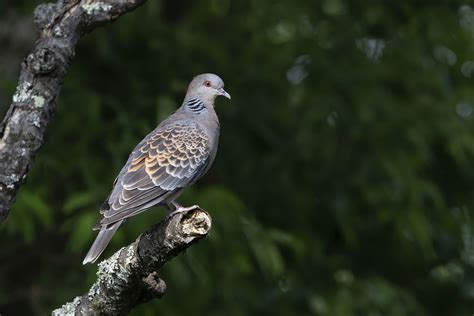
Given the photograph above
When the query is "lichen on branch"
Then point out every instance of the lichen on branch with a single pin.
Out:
(130, 276)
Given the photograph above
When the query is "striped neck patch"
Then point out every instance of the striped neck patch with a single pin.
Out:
(195, 105)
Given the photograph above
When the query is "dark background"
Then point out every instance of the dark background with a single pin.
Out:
(344, 180)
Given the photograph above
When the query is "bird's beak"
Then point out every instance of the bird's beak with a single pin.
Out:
(223, 93)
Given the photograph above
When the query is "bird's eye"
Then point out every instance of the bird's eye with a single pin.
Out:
(207, 83)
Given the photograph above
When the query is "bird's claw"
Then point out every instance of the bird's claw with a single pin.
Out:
(180, 209)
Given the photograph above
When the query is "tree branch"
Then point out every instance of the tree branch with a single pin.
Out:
(42, 74)
(129, 277)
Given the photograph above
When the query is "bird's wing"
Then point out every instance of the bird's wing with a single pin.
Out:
(170, 158)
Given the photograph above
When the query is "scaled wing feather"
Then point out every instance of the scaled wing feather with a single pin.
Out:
(168, 159)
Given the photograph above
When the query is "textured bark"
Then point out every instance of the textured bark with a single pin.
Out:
(42, 73)
(129, 277)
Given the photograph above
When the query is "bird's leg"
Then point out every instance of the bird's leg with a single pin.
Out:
(176, 205)
(178, 208)
(170, 207)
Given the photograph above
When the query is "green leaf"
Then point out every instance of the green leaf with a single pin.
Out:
(78, 201)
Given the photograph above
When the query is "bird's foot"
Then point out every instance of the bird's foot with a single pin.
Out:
(181, 209)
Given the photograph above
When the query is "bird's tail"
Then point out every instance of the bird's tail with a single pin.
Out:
(101, 241)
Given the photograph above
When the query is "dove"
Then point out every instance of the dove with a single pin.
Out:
(168, 160)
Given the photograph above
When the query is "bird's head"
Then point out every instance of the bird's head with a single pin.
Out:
(207, 87)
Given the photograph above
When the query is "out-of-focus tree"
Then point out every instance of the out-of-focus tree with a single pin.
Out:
(343, 183)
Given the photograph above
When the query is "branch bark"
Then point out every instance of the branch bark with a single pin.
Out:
(61, 25)
(130, 277)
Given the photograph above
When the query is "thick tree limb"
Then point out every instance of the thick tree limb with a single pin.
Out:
(129, 277)
(43, 71)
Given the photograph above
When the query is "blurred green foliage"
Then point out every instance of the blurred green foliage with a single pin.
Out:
(345, 175)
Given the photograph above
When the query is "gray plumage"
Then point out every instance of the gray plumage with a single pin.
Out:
(169, 159)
